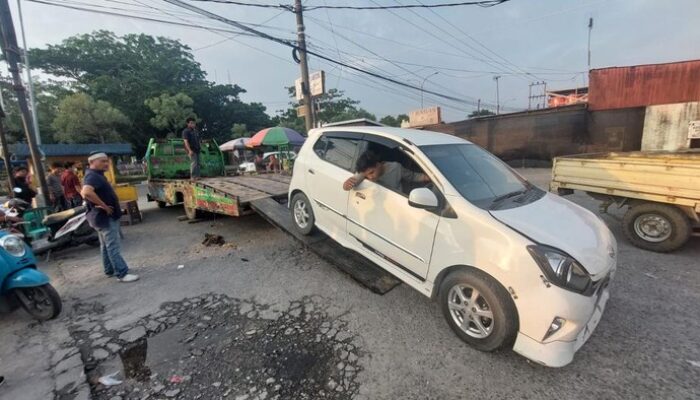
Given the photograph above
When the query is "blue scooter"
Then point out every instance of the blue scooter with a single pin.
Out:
(21, 284)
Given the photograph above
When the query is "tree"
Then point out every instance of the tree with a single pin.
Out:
(127, 70)
(238, 131)
(170, 111)
(480, 113)
(333, 106)
(81, 119)
(390, 120)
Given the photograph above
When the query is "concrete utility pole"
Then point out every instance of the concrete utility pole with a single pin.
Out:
(301, 41)
(30, 82)
(12, 55)
(421, 86)
(498, 96)
(590, 28)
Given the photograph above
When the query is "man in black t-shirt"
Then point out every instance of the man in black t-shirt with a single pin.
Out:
(103, 215)
(193, 146)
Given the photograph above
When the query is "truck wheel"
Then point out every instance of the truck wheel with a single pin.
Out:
(161, 204)
(302, 214)
(479, 310)
(656, 227)
(41, 302)
(191, 212)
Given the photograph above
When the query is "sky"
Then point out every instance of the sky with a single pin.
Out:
(455, 51)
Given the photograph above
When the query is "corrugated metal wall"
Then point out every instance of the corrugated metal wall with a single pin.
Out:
(666, 126)
(644, 85)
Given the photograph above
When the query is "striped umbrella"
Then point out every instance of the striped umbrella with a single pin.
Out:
(277, 136)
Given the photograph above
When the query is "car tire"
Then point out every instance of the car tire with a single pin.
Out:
(490, 314)
(656, 227)
(302, 214)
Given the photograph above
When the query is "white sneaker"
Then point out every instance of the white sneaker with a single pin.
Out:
(129, 278)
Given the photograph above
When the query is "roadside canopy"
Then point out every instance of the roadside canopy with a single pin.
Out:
(235, 144)
(277, 136)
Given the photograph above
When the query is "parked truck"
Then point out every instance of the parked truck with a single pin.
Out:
(169, 183)
(661, 191)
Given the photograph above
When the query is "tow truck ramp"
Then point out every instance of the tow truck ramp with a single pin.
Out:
(359, 268)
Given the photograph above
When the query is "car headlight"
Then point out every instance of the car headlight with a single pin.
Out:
(13, 245)
(561, 269)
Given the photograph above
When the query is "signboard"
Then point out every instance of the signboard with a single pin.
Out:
(694, 129)
(301, 111)
(317, 85)
(425, 116)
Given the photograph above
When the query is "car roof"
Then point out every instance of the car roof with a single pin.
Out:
(415, 136)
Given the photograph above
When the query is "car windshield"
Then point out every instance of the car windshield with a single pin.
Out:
(477, 175)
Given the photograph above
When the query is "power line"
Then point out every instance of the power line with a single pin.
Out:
(483, 3)
(294, 46)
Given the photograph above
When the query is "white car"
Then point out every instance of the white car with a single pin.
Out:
(249, 166)
(510, 265)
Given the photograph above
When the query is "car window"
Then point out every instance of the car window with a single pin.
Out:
(337, 151)
(401, 173)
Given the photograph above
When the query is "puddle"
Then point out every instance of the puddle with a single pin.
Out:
(217, 347)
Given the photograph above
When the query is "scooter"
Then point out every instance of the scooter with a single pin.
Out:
(63, 229)
(21, 284)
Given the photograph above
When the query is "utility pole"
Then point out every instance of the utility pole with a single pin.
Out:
(421, 86)
(30, 82)
(12, 56)
(301, 42)
(590, 28)
(498, 98)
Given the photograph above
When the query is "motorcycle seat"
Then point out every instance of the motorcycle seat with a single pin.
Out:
(58, 217)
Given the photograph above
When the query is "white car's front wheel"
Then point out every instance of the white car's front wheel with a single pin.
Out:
(302, 214)
(478, 309)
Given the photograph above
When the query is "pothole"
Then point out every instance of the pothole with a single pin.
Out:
(214, 346)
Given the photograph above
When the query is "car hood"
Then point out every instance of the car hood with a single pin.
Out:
(561, 224)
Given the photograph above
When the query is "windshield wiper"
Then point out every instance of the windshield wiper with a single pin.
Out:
(502, 197)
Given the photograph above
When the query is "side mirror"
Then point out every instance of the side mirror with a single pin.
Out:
(422, 198)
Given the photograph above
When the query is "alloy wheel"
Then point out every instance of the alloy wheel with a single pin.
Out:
(301, 214)
(470, 311)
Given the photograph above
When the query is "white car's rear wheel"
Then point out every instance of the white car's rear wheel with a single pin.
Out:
(479, 310)
(302, 214)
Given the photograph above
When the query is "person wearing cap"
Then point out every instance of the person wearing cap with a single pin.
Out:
(103, 215)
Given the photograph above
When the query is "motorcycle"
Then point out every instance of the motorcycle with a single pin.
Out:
(21, 284)
(56, 231)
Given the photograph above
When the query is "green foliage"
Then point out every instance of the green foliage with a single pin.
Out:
(390, 120)
(238, 131)
(81, 119)
(480, 113)
(127, 70)
(170, 111)
(332, 106)
(47, 95)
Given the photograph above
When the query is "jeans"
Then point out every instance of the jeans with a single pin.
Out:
(110, 247)
(194, 166)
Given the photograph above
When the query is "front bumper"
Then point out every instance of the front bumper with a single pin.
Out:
(558, 353)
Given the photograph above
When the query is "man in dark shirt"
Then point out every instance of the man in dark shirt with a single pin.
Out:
(56, 195)
(22, 190)
(103, 215)
(193, 146)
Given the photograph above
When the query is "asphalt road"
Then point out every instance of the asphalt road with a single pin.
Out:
(644, 348)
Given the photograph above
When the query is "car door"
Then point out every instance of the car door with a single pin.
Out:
(382, 221)
(330, 165)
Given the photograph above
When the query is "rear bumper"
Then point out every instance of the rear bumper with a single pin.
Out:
(560, 353)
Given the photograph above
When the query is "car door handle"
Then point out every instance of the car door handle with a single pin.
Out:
(311, 171)
(360, 195)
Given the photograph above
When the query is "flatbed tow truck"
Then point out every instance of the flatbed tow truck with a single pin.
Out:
(169, 181)
(169, 184)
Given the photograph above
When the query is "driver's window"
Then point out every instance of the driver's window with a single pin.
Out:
(400, 173)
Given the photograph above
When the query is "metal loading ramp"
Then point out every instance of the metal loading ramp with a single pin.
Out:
(360, 269)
